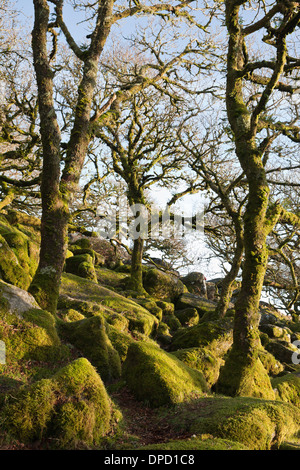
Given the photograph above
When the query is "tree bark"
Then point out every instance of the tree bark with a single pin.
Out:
(45, 283)
(136, 273)
(243, 373)
(57, 190)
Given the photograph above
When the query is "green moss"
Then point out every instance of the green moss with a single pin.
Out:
(272, 366)
(140, 320)
(90, 337)
(82, 265)
(258, 424)
(244, 376)
(72, 409)
(34, 337)
(203, 360)
(162, 286)
(204, 442)
(84, 307)
(120, 341)
(10, 269)
(87, 271)
(28, 414)
(110, 278)
(19, 250)
(70, 315)
(82, 243)
(214, 336)
(287, 388)
(158, 377)
(117, 320)
(172, 322)
(188, 316)
(167, 307)
(152, 307)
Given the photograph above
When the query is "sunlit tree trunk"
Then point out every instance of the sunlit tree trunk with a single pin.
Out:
(56, 189)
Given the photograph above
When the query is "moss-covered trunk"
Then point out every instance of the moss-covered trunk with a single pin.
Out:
(56, 189)
(45, 283)
(243, 373)
(136, 273)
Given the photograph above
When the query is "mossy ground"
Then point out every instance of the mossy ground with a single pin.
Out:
(255, 423)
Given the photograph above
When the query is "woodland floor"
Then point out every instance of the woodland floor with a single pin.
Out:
(143, 422)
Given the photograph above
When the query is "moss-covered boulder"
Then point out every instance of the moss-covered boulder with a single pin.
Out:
(270, 363)
(287, 388)
(271, 316)
(167, 307)
(110, 278)
(72, 409)
(152, 306)
(27, 331)
(188, 316)
(257, 424)
(163, 286)
(216, 337)
(283, 351)
(277, 332)
(121, 340)
(172, 321)
(196, 283)
(203, 360)
(19, 251)
(90, 338)
(159, 378)
(202, 305)
(83, 290)
(82, 265)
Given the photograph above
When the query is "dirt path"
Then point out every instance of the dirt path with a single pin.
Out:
(143, 422)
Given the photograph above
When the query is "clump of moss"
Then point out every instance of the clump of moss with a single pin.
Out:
(110, 278)
(167, 307)
(172, 322)
(188, 316)
(188, 300)
(121, 340)
(158, 377)
(203, 360)
(270, 363)
(72, 408)
(82, 265)
(19, 250)
(287, 388)
(215, 336)
(71, 315)
(152, 307)
(90, 338)
(256, 423)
